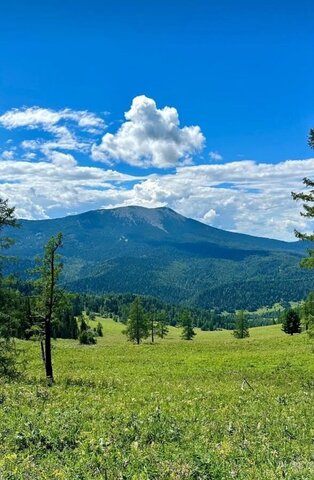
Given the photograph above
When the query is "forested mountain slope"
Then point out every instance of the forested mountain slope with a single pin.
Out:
(161, 253)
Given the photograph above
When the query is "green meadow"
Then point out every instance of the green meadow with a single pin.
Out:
(214, 408)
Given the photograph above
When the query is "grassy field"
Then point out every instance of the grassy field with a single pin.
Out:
(214, 408)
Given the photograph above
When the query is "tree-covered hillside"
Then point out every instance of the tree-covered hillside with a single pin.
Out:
(161, 253)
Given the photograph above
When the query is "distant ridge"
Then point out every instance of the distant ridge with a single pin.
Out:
(159, 252)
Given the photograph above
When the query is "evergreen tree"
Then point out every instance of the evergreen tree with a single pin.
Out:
(7, 219)
(151, 324)
(308, 314)
(311, 138)
(83, 324)
(99, 330)
(65, 326)
(49, 270)
(186, 323)
(308, 209)
(136, 327)
(26, 319)
(291, 322)
(8, 301)
(161, 327)
(241, 325)
(207, 325)
(86, 334)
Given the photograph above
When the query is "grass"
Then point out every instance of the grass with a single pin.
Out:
(216, 408)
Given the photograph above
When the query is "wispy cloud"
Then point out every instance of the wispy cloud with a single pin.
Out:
(215, 156)
(62, 125)
(35, 117)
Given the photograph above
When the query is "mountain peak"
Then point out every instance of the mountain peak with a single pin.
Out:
(138, 214)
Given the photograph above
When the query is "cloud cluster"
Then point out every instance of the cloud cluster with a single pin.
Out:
(43, 178)
(57, 187)
(60, 124)
(239, 196)
(150, 137)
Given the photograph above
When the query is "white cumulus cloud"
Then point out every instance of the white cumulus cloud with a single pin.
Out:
(150, 137)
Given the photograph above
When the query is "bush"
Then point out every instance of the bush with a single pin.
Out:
(87, 337)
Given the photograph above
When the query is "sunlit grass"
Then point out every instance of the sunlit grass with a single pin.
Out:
(213, 408)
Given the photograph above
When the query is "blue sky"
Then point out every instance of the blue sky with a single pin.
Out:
(241, 73)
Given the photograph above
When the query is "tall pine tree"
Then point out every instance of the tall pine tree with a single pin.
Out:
(241, 325)
(291, 322)
(186, 323)
(137, 325)
(161, 326)
(307, 197)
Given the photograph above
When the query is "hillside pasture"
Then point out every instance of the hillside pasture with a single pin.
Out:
(214, 408)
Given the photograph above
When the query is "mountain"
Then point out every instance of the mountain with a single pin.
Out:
(161, 253)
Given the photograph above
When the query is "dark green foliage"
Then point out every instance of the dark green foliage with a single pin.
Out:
(7, 219)
(186, 323)
(83, 325)
(307, 198)
(311, 138)
(308, 314)
(137, 326)
(86, 334)
(87, 337)
(65, 326)
(10, 302)
(291, 322)
(7, 214)
(207, 326)
(99, 330)
(172, 262)
(117, 306)
(150, 318)
(161, 324)
(8, 358)
(241, 325)
(252, 294)
(308, 211)
(8, 351)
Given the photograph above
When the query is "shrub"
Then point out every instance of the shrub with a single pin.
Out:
(87, 337)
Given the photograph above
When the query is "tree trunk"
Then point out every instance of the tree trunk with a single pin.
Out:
(43, 352)
(137, 326)
(153, 330)
(48, 360)
(49, 372)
